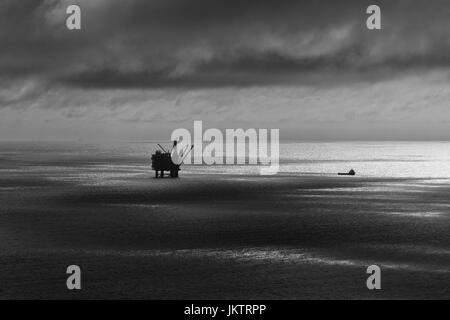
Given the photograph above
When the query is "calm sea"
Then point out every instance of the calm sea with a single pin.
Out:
(101, 160)
(225, 235)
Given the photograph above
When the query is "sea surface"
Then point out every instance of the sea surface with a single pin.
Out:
(224, 232)
(368, 159)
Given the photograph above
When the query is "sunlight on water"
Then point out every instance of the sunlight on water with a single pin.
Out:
(274, 255)
(368, 159)
(380, 159)
(431, 214)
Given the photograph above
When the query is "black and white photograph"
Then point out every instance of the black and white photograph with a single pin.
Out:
(224, 150)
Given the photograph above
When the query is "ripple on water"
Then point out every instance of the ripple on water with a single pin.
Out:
(420, 214)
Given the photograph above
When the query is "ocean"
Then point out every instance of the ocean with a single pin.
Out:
(224, 232)
(368, 159)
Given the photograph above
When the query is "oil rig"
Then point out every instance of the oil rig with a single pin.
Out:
(163, 160)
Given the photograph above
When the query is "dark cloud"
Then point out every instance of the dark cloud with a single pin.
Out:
(217, 43)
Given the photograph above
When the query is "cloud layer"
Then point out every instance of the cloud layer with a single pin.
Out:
(209, 43)
(174, 60)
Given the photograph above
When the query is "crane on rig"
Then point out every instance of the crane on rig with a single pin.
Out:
(164, 160)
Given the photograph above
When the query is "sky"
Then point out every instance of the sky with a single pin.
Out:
(139, 69)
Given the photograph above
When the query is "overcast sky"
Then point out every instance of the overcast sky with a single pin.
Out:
(139, 69)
